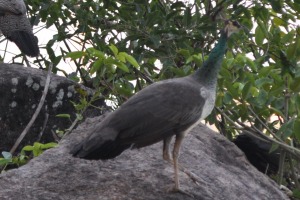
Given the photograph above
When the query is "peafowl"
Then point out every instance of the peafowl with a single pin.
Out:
(258, 153)
(16, 27)
(158, 112)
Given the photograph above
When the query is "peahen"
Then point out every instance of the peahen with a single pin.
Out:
(164, 109)
(16, 27)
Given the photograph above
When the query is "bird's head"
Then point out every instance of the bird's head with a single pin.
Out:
(231, 27)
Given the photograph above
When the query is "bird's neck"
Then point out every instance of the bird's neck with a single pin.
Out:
(208, 73)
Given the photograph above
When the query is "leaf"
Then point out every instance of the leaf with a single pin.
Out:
(49, 145)
(114, 49)
(122, 66)
(227, 98)
(6, 155)
(79, 117)
(187, 17)
(251, 64)
(240, 59)
(178, 4)
(262, 81)
(297, 102)
(37, 149)
(156, 40)
(64, 116)
(73, 76)
(229, 62)
(122, 56)
(4, 161)
(297, 5)
(153, 18)
(292, 49)
(296, 131)
(276, 5)
(198, 60)
(264, 14)
(246, 90)
(219, 99)
(233, 91)
(239, 86)
(276, 111)
(265, 71)
(278, 22)
(289, 37)
(185, 53)
(263, 27)
(286, 130)
(132, 60)
(96, 66)
(27, 148)
(259, 36)
(94, 52)
(274, 147)
(262, 97)
(75, 55)
(254, 91)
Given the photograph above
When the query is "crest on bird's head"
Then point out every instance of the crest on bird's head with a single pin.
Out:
(231, 27)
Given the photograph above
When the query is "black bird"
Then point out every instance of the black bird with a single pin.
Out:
(16, 27)
(258, 153)
(164, 109)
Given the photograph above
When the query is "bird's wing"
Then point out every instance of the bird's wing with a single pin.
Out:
(17, 7)
(158, 111)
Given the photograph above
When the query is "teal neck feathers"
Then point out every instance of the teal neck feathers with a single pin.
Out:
(208, 73)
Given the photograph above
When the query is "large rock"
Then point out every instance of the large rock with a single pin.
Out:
(214, 169)
(21, 89)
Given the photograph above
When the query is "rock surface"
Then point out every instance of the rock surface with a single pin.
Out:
(220, 169)
(21, 89)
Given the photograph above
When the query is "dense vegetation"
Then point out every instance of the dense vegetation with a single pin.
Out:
(119, 47)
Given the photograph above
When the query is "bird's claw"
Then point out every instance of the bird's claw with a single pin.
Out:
(178, 190)
(168, 158)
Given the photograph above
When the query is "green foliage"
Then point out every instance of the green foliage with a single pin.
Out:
(36, 149)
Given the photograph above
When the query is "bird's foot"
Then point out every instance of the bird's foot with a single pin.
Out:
(178, 190)
(170, 160)
(167, 157)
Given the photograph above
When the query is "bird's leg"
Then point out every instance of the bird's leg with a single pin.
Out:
(166, 149)
(178, 141)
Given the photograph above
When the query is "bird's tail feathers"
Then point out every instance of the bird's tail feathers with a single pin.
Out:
(108, 150)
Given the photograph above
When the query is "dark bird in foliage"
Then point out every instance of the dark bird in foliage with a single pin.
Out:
(16, 27)
(158, 112)
(258, 153)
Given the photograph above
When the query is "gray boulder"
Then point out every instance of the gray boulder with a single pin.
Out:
(211, 168)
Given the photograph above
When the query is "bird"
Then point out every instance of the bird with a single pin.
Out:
(16, 27)
(164, 109)
(259, 154)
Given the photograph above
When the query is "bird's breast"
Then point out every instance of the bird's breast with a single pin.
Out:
(210, 97)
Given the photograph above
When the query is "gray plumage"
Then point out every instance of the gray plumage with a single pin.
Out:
(16, 27)
(147, 118)
(158, 112)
